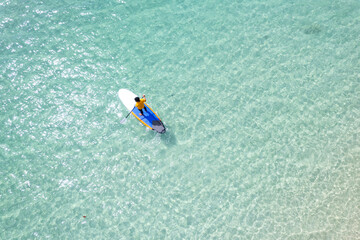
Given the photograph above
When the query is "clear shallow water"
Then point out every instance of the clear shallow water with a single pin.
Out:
(261, 102)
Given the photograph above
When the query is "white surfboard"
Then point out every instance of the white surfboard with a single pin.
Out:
(127, 98)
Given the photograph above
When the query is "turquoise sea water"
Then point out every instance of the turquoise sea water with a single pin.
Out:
(261, 100)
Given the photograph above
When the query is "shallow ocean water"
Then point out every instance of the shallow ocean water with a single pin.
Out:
(261, 102)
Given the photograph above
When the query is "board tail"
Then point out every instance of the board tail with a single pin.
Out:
(158, 126)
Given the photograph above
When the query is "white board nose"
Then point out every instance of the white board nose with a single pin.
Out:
(127, 98)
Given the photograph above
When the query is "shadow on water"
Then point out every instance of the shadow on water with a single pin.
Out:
(312, 29)
(168, 138)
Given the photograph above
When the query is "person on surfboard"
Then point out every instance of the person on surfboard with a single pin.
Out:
(140, 104)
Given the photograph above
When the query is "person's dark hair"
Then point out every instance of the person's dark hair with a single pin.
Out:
(137, 99)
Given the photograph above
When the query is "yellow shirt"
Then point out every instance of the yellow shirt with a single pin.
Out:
(140, 105)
